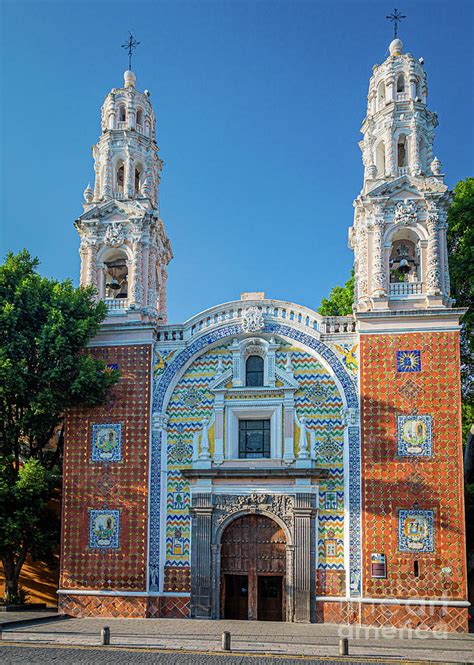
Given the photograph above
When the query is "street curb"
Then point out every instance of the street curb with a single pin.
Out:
(26, 622)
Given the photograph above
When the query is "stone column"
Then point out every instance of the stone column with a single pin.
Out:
(201, 530)
(390, 164)
(378, 274)
(304, 557)
(129, 176)
(162, 313)
(92, 263)
(433, 273)
(414, 157)
(137, 269)
(107, 186)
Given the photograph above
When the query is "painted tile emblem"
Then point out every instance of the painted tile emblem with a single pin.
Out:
(416, 531)
(409, 361)
(104, 527)
(414, 435)
(107, 443)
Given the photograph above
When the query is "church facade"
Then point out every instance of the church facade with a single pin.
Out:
(261, 461)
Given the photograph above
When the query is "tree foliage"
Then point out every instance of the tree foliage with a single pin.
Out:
(44, 327)
(461, 270)
(340, 301)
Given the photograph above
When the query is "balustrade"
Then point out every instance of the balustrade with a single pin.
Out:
(406, 288)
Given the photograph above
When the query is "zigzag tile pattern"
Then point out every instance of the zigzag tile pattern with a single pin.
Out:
(192, 403)
(323, 417)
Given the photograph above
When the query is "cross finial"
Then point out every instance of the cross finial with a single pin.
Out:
(131, 44)
(395, 17)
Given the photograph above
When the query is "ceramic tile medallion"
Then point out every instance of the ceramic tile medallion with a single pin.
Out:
(104, 528)
(414, 435)
(409, 361)
(415, 531)
(107, 443)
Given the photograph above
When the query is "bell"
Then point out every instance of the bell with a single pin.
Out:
(404, 267)
(114, 285)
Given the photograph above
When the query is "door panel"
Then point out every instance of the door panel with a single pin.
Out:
(270, 596)
(236, 597)
(254, 547)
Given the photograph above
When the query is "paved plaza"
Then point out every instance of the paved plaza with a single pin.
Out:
(256, 638)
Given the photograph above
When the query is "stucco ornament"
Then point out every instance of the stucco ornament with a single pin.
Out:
(252, 320)
(278, 504)
(406, 212)
(114, 235)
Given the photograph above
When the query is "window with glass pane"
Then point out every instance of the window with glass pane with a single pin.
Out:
(254, 371)
(254, 438)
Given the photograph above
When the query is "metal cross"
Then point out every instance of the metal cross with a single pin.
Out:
(395, 17)
(131, 44)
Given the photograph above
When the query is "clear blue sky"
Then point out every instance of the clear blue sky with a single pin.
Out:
(259, 106)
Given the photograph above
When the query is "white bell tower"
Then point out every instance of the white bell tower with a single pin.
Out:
(124, 247)
(399, 231)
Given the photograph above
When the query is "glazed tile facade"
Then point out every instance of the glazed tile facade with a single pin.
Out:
(413, 508)
(104, 531)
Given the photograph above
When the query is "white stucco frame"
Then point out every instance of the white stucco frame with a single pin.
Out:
(269, 409)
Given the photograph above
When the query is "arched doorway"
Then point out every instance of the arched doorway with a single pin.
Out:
(253, 569)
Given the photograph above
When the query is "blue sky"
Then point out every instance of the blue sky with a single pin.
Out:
(259, 106)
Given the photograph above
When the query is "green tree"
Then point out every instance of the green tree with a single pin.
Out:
(461, 269)
(340, 299)
(44, 327)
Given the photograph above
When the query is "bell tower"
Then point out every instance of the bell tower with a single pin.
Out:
(399, 231)
(124, 247)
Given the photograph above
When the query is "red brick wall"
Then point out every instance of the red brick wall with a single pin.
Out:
(391, 483)
(116, 485)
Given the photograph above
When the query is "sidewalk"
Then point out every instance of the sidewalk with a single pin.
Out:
(253, 637)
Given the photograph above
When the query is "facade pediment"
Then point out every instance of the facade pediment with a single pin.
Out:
(114, 211)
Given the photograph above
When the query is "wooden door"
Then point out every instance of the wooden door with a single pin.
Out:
(254, 545)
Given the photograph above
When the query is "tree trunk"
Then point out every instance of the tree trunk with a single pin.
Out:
(12, 572)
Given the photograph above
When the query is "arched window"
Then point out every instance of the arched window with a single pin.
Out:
(140, 119)
(147, 128)
(402, 151)
(401, 83)
(138, 174)
(121, 113)
(120, 178)
(254, 371)
(380, 160)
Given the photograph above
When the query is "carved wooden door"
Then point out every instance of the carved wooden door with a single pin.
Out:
(254, 546)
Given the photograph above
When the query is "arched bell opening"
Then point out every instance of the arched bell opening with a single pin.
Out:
(116, 275)
(405, 265)
(253, 569)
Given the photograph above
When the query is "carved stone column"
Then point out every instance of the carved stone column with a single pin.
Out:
(361, 274)
(433, 272)
(378, 274)
(415, 161)
(201, 532)
(92, 263)
(162, 313)
(137, 269)
(304, 557)
(390, 165)
(107, 186)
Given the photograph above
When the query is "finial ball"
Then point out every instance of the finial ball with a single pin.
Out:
(396, 47)
(130, 79)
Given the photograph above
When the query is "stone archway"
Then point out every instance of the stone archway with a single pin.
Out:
(253, 569)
